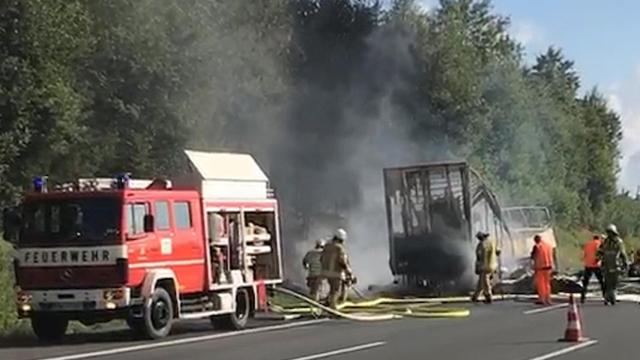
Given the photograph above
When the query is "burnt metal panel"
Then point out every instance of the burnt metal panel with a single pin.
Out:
(387, 201)
(433, 202)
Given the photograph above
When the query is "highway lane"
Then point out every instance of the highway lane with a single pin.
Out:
(117, 337)
(501, 331)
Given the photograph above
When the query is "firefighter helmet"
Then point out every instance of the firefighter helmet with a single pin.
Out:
(340, 234)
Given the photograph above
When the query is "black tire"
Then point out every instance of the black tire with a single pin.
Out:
(237, 320)
(157, 315)
(49, 327)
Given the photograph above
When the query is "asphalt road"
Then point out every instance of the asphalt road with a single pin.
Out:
(507, 330)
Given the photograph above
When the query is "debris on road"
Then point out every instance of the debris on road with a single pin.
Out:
(521, 282)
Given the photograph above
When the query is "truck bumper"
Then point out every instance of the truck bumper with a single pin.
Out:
(74, 301)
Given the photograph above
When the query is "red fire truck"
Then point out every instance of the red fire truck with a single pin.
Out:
(204, 245)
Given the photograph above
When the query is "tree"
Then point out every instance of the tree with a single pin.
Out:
(463, 39)
(557, 74)
(556, 81)
(14, 126)
(41, 110)
(603, 135)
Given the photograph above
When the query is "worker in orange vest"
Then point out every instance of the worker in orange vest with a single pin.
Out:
(591, 265)
(542, 257)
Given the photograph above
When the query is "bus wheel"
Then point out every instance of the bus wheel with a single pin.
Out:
(49, 327)
(238, 319)
(158, 314)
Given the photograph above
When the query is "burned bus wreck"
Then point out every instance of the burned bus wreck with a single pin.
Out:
(433, 210)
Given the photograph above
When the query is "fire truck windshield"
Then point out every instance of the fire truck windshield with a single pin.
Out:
(70, 221)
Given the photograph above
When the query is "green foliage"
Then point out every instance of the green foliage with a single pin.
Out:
(462, 40)
(624, 211)
(570, 241)
(41, 108)
(135, 78)
(8, 318)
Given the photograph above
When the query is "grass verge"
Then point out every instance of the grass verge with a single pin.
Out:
(9, 322)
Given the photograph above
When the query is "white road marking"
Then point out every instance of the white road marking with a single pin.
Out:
(182, 341)
(566, 350)
(341, 351)
(545, 309)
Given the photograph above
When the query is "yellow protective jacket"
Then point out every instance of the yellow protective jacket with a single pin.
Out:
(486, 257)
(612, 254)
(335, 262)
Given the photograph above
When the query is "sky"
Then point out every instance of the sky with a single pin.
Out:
(603, 38)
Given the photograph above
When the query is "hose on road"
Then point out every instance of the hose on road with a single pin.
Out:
(373, 310)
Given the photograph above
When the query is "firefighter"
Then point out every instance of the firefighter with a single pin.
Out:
(542, 258)
(313, 266)
(591, 265)
(486, 266)
(335, 266)
(613, 257)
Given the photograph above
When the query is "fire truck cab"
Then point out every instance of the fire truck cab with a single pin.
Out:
(205, 244)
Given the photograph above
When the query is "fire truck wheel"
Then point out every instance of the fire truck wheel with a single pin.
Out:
(238, 319)
(48, 327)
(158, 314)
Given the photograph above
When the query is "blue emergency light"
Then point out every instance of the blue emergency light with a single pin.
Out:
(122, 180)
(39, 183)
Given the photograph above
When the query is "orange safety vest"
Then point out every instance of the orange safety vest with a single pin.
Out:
(542, 256)
(590, 249)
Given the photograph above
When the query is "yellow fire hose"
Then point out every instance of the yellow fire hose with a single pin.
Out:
(373, 310)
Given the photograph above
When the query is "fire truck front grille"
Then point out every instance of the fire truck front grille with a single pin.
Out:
(71, 306)
(80, 277)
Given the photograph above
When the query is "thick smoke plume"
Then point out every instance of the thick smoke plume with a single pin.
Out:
(337, 143)
(325, 133)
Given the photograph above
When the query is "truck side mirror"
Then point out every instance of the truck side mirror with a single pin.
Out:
(149, 223)
(11, 224)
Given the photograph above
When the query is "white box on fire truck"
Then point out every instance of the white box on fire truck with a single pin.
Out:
(225, 176)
